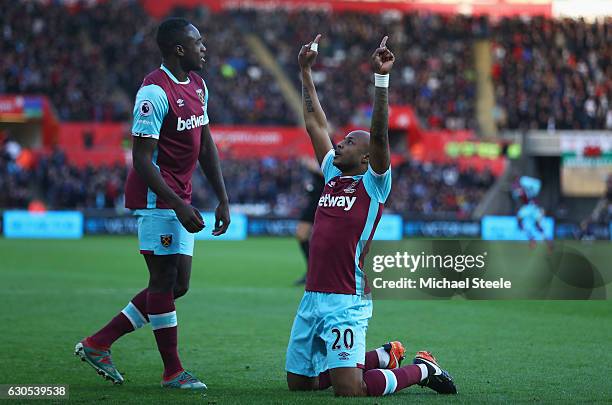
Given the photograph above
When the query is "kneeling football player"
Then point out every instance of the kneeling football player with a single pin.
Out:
(327, 343)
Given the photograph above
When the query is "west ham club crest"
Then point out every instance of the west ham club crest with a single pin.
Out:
(166, 240)
(200, 93)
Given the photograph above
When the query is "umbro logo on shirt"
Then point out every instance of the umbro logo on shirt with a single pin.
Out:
(180, 102)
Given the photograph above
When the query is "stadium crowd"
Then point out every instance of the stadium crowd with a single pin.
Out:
(553, 74)
(57, 184)
(435, 72)
(114, 40)
(275, 187)
(547, 73)
(429, 189)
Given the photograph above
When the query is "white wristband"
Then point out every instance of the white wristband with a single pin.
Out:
(381, 80)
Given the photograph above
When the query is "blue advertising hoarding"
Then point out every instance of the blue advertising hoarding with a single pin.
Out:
(272, 226)
(236, 231)
(390, 227)
(44, 225)
(441, 229)
(506, 228)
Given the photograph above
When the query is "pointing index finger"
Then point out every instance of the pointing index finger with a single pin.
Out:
(383, 43)
(314, 46)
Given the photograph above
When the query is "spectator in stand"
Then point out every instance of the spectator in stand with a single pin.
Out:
(602, 212)
(15, 180)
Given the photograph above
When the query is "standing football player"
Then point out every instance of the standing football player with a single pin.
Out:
(530, 216)
(328, 338)
(171, 134)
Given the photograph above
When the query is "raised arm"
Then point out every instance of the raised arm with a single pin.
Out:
(380, 155)
(314, 117)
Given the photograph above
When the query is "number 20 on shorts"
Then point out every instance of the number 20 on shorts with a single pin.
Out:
(347, 338)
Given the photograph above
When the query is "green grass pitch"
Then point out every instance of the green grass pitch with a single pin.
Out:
(235, 321)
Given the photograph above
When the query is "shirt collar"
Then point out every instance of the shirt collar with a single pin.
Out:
(174, 79)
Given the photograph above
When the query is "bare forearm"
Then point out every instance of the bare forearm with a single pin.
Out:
(209, 162)
(314, 117)
(382, 62)
(379, 130)
(313, 112)
(154, 180)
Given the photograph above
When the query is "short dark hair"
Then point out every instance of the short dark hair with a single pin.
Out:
(170, 33)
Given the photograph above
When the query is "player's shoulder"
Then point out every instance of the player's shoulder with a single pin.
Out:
(372, 175)
(156, 77)
(377, 185)
(151, 99)
(153, 87)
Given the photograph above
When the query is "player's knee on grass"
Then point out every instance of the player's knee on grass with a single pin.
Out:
(348, 382)
(350, 389)
(297, 382)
